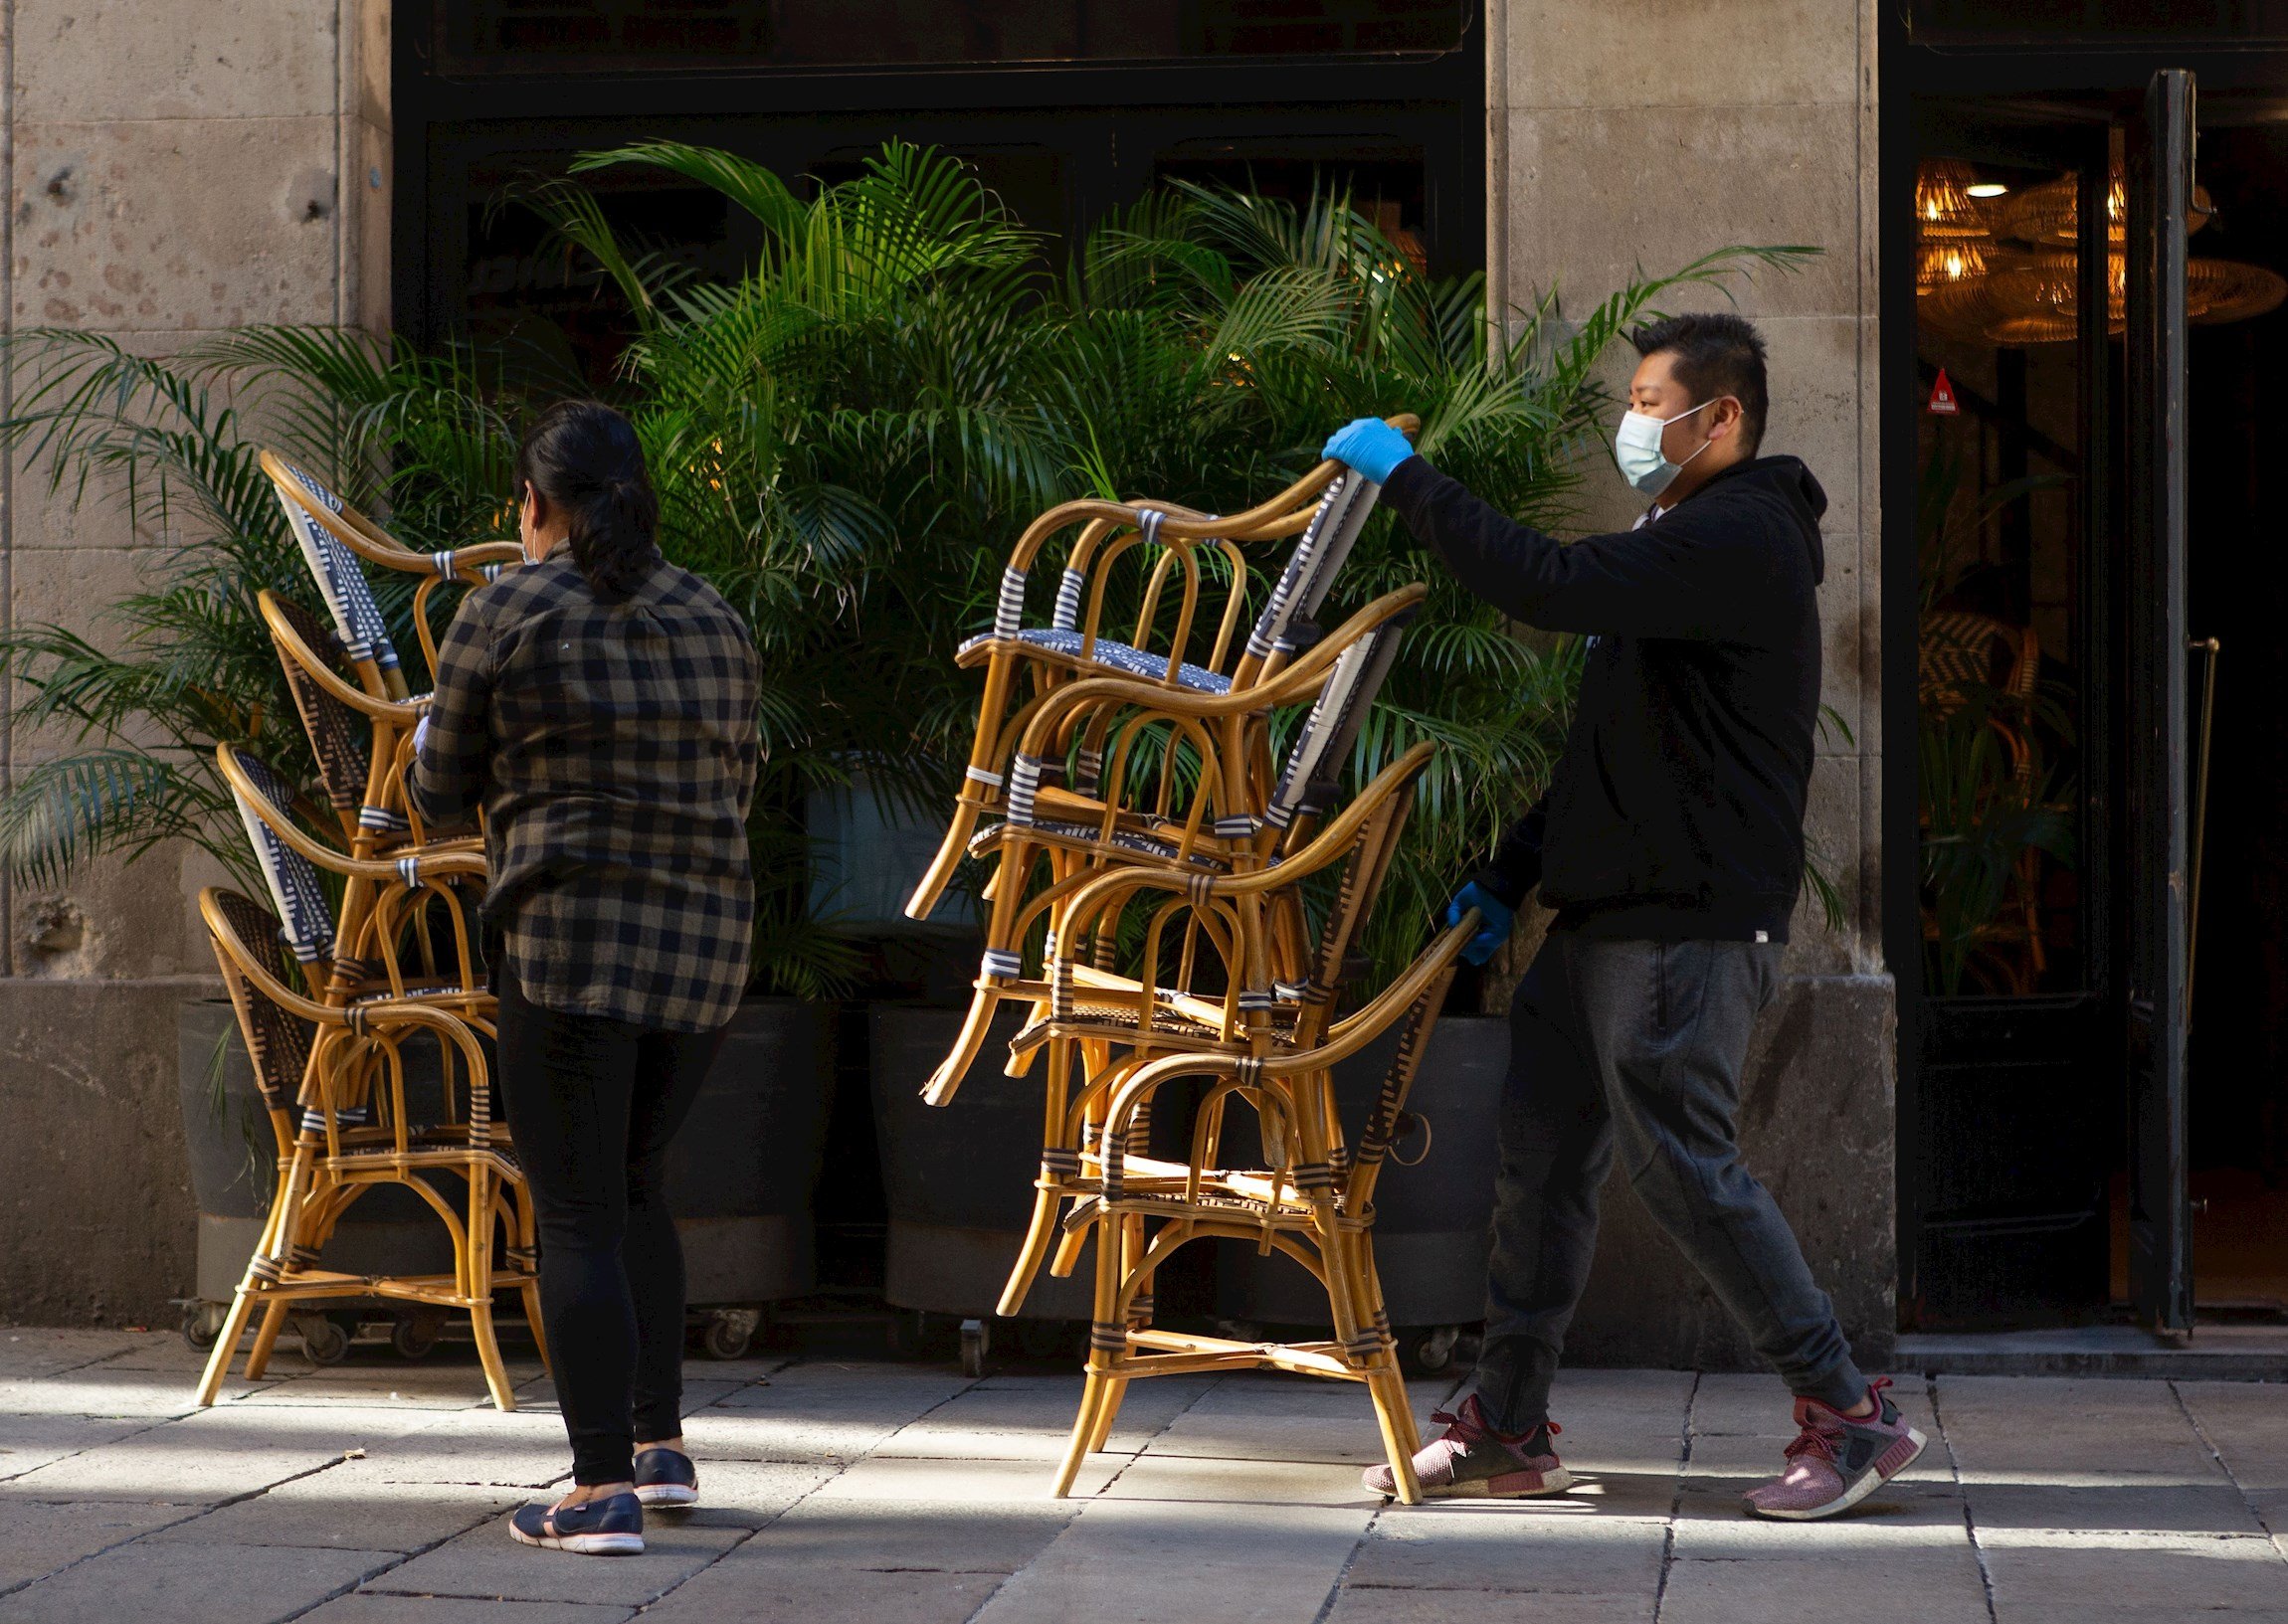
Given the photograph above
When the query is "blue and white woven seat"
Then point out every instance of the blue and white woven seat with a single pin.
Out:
(1119, 657)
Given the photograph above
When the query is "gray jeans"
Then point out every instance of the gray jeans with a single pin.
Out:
(1638, 1046)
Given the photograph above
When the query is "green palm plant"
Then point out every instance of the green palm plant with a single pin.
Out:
(846, 438)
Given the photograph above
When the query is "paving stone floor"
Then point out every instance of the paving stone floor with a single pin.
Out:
(375, 1493)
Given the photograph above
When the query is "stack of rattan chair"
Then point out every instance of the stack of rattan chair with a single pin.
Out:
(369, 1048)
(1190, 899)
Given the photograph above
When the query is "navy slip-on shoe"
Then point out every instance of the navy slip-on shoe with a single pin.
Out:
(665, 1478)
(612, 1526)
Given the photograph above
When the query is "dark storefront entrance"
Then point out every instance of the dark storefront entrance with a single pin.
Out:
(1068, 109)
(2084, 262)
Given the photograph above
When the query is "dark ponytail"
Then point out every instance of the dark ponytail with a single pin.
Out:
(583, 458)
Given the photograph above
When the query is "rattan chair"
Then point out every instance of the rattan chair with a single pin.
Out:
(1341, 677)
(363, 746)
(333, 537)
(394, 908)
(333, 1082)
(1327, 508)
(1313, 1202)
(1103, 1026)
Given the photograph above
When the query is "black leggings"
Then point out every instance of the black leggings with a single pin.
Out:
(592, 1103)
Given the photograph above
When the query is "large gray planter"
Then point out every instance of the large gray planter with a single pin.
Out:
(743, 1170)
(1431, 1220)
(958, 1180)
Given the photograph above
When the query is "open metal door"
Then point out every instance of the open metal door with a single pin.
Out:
(2158, 173)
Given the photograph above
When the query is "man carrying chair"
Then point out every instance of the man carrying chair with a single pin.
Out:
(1670, 843)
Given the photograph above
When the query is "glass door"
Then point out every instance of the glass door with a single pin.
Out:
(2006, 1163)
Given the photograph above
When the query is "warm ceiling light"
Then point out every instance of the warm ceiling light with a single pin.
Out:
(1987, 188)
(1943, 210)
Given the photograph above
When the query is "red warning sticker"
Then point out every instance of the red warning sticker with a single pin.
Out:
(1942, 397)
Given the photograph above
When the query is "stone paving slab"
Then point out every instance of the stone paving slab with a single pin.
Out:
(1928, 1585)
(1540, 1549)
(145, 1583)
(344, 1511)
(1367, 1605)
(913, 1536)
(487, 1564)
(2056, 1572)
(44, 1537)
(964, 1482)
(365, 1608)
(31, 1441)
(901, 1491)
(1198, 1479)
(1033, 1422)
(36, 1353)
(739, 1591)
(1149, 1562)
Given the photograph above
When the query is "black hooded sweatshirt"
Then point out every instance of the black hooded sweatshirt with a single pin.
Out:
(1676, 812)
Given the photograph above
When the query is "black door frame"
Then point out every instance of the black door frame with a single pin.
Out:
(1439, 97)
(2068, 83)
(2155, 814)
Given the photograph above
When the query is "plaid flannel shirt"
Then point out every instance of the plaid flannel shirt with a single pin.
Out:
(613, 748)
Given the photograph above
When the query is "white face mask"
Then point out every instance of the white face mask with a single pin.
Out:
(1637, 447)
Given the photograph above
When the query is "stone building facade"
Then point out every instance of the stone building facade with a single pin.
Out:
(172, 169)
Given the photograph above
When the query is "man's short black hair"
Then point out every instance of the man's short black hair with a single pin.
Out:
(1715, 355)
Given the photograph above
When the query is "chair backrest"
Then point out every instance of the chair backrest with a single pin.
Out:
(1314, 771)
(277, 1041)
(294, 884)
(341, 579)
(1287, 620)
(338, 737)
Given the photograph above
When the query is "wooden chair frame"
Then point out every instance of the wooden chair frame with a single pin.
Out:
(382, 900)
(1243, 1021)
(334, 536)
(1318, 1209)
(325, 1164)
(1331, 496)
(1345, 667)
(369, 794)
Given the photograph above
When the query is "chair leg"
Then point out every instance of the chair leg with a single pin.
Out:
(476, 1269)
(1115, 1389)
(226, 1344)
(1095, 1391)
(531, 1294)
(1038, 1236)
(526, 1243)
(1100, 1384)
(274, 1321)
(1394, 1410)
(489, 1355)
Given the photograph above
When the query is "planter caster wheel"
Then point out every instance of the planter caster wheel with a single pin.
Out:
(975, 1346)
(1428, 1352)
(322, 1341)
(203, 1324)
(729, 1332)
(415, 1336)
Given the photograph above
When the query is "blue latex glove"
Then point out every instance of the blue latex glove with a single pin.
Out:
(1495, 917)
(1369, 445)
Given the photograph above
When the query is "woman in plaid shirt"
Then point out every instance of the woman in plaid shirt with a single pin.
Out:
(599, 705)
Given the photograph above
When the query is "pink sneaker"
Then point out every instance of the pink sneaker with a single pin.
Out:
(1471, 1460)
(1836, 1460)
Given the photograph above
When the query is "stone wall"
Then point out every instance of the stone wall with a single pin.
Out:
(172, 167)
(1635, 136)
